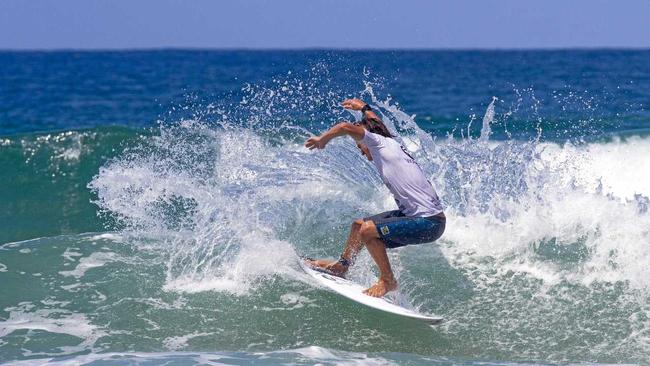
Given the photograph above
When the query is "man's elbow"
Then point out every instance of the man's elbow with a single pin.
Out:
(346, 127)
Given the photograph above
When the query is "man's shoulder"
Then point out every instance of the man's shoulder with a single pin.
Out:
(372, 139)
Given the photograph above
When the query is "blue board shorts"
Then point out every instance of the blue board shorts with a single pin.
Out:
(397, 230)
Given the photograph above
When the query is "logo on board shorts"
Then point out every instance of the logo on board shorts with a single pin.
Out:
(384, 230)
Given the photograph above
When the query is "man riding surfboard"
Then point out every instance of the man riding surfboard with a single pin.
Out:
(419, 217)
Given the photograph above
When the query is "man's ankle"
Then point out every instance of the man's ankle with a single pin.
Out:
(388, 279)
(345, 262)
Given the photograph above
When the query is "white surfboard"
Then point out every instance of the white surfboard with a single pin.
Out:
(354, 291)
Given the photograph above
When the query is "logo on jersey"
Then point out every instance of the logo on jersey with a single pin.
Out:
(384, 230)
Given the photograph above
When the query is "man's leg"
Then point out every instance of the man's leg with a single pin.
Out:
(370, 236)
(352, 248)
(360, 233)
(354, 243)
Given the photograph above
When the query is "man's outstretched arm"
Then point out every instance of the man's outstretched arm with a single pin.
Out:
(341, 129)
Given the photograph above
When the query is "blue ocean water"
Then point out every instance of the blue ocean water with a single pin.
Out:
(154, 203)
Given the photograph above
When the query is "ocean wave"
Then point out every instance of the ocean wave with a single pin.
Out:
(44, 177)
(535, 228)
(543, 258)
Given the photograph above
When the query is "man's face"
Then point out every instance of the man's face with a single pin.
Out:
(364, 150)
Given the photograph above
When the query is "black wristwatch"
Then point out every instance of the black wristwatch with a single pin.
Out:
(365, 108)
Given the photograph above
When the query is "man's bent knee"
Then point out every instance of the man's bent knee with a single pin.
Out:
(368, 231)
(356, 225)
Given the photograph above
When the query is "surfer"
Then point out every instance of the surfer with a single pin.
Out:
(419, 217)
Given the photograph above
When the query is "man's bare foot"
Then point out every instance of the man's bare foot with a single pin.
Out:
(329, 265)
(381, 288)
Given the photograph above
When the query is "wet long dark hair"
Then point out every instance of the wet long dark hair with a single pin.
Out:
(375, 125)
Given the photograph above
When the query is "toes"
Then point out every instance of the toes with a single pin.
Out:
(372, 291)
(319, 263)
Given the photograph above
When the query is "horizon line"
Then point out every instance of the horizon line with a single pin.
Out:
(349, 49)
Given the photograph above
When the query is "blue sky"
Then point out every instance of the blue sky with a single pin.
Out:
(487, 24)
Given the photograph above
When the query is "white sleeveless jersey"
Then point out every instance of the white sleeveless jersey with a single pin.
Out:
(413, 193)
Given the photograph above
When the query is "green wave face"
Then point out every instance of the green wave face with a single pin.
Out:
(44, 178)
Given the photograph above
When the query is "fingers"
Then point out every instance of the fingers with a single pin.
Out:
(311, 143)
(353, 103)
(348, 103)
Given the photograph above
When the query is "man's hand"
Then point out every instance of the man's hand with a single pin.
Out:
(354, 104)
(316, 142)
